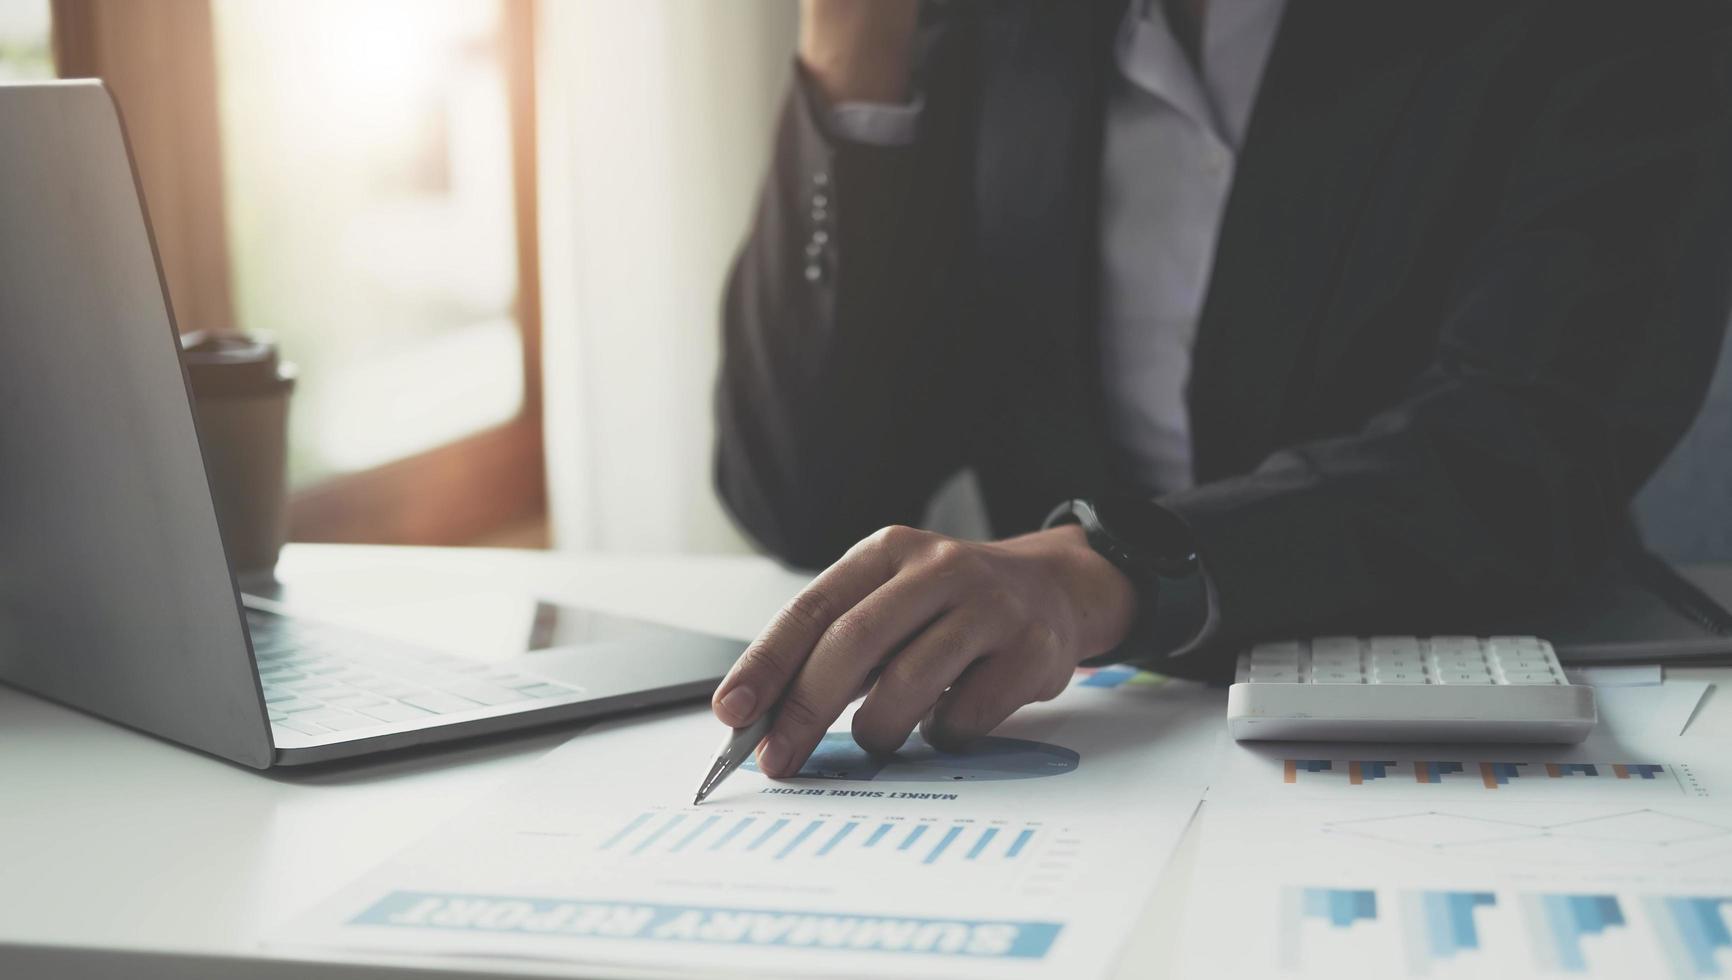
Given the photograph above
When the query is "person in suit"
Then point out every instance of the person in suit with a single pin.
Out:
(1252, 317)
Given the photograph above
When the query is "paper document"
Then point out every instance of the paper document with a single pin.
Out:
(1462, 889)
(1031, 854)
(1609, 859)
(1658, 709)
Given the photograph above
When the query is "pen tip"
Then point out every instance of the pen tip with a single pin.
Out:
(697, 799)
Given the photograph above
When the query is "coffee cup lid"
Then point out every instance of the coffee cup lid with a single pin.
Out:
(228, 362)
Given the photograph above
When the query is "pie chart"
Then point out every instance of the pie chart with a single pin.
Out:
(991, 758)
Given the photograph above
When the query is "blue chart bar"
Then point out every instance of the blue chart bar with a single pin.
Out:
(636, 822)
(986, 837)
(1017, 845)
(847, 829)
(655, 835)
(878, 835)
(943, 842)
(694, 832)
(732, 833)
(1438, 925)
(768, 833)
(1109, 676)
(1341, 907)
(913, 835)
(1557, 924)
(799, 838)
(1692, 933)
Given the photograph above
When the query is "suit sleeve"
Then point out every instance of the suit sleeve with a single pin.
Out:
(839, 405)
(1576, 348)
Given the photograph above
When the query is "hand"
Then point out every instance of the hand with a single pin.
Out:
(951, 635)
(858, 50)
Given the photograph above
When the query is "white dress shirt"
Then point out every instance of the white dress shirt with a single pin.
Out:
(1172, 140)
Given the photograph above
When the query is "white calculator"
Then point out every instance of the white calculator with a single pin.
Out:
(1408, 689)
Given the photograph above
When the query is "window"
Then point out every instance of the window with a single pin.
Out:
(25, 51)
(355, 177)
(368, 170)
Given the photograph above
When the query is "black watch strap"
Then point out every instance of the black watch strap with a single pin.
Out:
(1152, 547)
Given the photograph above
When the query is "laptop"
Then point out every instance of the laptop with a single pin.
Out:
(115, 594)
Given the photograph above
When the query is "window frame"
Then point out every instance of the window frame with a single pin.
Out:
(160, 61)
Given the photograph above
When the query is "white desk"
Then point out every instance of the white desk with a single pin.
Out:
(125, 856)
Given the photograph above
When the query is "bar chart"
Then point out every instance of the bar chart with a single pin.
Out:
(1345, 931)
(768, 837)
(1323, 928)
(1562, 925)
(1439, 926)
(1693, 933)
(1471, 777)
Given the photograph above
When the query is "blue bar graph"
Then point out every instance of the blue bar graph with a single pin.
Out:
(1692, 932)
(943, 842)
(799, 838)
(672, 822)
(692, 834)
(1558, 923)
(732, 832)
(624, 832)
(830, 844)
(833, 836)
(1340, 907)
(1558, 770)
(1438, 925)
(768, 833)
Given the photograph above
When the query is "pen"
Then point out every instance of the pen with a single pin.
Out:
(738, 745)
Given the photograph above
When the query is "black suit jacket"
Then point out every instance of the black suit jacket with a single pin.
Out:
(1470, 284)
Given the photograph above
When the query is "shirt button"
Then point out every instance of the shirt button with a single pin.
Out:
(814, 272)
(820, 179)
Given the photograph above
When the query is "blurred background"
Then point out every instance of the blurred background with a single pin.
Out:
(490, 233)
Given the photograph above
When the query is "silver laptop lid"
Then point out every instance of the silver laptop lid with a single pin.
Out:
(115, 595)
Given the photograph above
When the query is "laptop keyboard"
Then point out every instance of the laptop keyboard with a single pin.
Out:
(320, 679)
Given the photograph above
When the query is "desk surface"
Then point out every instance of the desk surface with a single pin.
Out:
(127, 856)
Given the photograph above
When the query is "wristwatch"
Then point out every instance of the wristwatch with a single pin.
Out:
(1155, 550)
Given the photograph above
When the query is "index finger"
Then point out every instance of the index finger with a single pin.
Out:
(769, 664)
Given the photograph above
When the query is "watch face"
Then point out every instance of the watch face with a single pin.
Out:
(1149, 530)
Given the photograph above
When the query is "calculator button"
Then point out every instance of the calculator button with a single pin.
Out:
(1530, 678)
(1335, 645)
(1398, 677)
(1463, 677)
(1440, 644)
(1261, 674)
(1337, 677)
(1384, 645)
